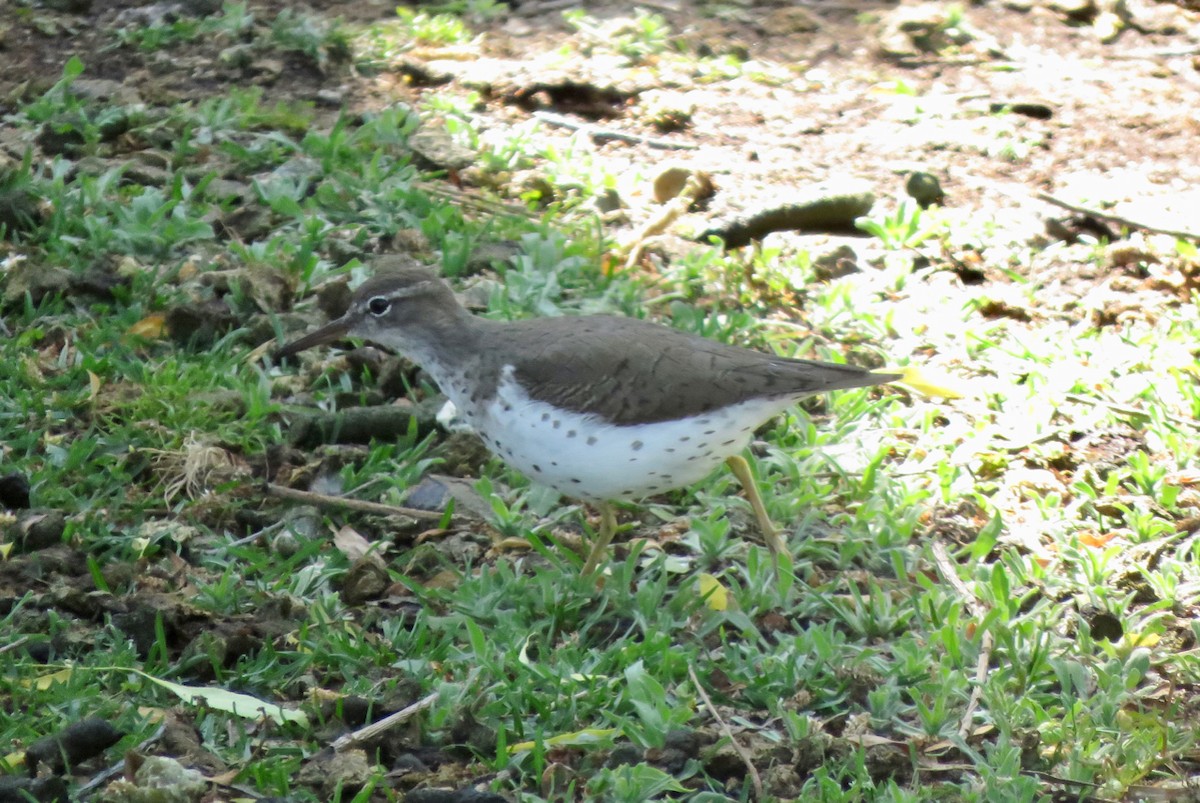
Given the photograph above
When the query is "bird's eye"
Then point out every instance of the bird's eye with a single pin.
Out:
(379, 305)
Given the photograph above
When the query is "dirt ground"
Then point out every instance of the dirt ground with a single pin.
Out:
(1105, 98)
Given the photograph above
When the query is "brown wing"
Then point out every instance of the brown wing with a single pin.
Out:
(637, 371)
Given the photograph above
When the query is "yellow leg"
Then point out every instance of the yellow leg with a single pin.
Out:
(608, 528)
(741, 469)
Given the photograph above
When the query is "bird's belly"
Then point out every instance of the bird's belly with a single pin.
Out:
(587, 458)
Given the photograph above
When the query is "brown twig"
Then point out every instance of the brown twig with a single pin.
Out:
(737, 747)
(1124, 221)
(671, 211)
(986, 642)
(368, 732)
(550, 118)
(325, 500)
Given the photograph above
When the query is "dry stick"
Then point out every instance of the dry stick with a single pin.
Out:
(12, 645)
(741, 751)
(608, 133)
(352, 504)
(1122, 409)
(672, 211)
(368, 732)
(950, 572)
(1124, 221)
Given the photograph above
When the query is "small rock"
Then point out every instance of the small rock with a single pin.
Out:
(14, 491)
(629, 754)
(237, 57)
(199, 324)
(105, 90)
(20, 210)
(434, 148)
(608, 201)
(924, 188)
(366, 580)
(36, 279)
(285, 544)
(841, 261)
(428, 494)
(74, 744)
(38, 530)
(490, 254)
(348, 770)
(1034, 109)
(791, 19)
(667, 111)
(333, 98)
(158, 778)
(1075, 10)
(1102, 624)
(670, 181)
(270, 68)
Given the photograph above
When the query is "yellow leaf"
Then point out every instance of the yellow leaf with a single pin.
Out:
(1142, 639)
(151, 327)
(46, 681)
(583, 738)
(12, 761)
(96, 383)
(714, 593)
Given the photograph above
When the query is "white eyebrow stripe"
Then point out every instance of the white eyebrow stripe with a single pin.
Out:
(402, 292)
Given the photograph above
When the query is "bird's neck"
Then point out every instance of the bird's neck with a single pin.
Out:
(448, 346)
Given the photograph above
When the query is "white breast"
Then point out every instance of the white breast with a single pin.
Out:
(587, 458)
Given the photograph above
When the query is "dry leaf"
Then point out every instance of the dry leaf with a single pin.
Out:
(351, 544)
(152, 327)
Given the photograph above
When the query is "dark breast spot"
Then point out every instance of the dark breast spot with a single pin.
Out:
(636, 445)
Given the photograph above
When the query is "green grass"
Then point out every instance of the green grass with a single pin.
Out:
(1062, 485)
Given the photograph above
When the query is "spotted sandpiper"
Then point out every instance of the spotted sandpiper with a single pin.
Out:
(600, 408)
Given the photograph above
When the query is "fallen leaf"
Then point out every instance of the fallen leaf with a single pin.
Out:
(1097, 540)
(352, 544)
(152, 327)
(714, 592)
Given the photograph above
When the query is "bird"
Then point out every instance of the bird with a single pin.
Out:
(600, 408)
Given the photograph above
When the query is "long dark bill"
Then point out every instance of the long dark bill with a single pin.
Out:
(334, 330)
